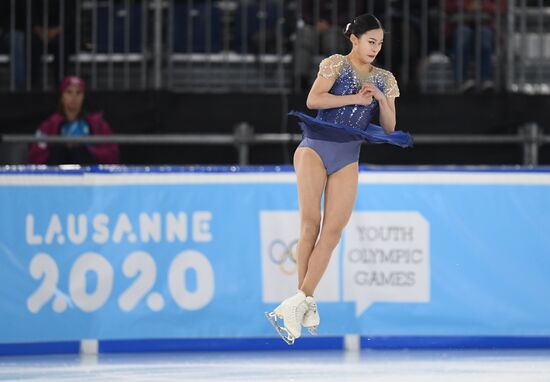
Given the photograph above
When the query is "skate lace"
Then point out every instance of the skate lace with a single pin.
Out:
(313, 307)
(300, 310)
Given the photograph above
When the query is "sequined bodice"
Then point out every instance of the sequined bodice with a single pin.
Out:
(352, 122)
(349, 82)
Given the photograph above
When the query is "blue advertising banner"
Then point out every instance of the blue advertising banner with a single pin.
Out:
(135, 254)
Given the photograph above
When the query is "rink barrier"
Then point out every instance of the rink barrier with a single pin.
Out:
(371, 176)
(454, 342)
(268, 344)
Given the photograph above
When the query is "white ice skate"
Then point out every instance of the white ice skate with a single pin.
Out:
(291, 311)
(311, 318)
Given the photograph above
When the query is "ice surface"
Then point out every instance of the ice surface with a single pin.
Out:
(288, 365)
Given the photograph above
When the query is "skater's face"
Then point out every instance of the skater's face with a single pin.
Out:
(72, 99)
(368, 44)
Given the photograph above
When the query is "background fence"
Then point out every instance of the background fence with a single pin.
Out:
(269, 45)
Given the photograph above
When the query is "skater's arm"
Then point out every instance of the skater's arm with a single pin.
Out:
(320, 98)
(386, 104)
(387, 114)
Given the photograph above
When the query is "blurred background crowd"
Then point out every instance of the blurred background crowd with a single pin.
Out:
(159, 66)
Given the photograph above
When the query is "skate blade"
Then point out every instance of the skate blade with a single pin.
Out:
(283, 333)
(312, 330)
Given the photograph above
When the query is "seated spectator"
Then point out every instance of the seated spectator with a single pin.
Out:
(463, 39)
(50, 31)
(71, 120)
(318, 36)
(12, 39)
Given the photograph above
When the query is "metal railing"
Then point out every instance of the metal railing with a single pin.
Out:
(529, 136)
(268, 45)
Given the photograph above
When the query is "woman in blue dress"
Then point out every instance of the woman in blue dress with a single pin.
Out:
(348, 91)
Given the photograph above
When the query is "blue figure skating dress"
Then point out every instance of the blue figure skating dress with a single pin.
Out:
(351, 122)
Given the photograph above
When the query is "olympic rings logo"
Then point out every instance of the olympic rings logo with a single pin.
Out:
(284, 255)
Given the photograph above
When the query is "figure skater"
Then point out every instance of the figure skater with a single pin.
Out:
(347, 92)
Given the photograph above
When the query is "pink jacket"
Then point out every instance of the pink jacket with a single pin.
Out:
(104, 153)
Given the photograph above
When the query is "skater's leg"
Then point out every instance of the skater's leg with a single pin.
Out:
(311, 178)
(340, 193)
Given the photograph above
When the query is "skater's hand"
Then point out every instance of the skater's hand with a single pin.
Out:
(372, 90)
(363, 97)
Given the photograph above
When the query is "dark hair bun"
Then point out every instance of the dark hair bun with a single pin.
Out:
(362, 24)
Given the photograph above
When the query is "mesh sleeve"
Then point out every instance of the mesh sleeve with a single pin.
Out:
(331, 67)
(391, 89)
